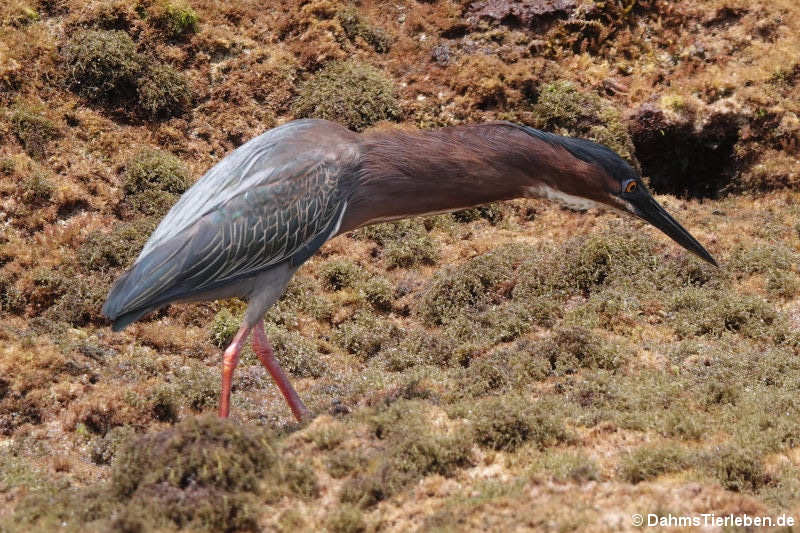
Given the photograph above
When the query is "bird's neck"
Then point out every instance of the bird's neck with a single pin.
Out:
(405, 174)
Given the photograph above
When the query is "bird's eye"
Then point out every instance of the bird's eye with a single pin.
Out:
(631, 186)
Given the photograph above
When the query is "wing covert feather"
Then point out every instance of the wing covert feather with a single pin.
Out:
(279, 154)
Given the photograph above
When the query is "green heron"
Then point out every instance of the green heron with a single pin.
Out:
(247, 225)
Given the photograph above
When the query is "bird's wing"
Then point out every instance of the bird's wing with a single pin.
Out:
(274, 156)
(281, 205)
(265, 226)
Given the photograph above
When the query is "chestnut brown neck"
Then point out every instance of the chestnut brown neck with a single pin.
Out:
(403, 174)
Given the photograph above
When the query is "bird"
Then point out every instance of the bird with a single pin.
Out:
(246, 226)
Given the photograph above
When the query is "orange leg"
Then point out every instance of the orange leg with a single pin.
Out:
(263, 349)
(229, 361)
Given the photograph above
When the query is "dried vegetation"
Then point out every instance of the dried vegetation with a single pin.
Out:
(458, 364)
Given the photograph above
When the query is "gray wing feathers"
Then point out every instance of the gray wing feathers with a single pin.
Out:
(260, 160)
(266, 212)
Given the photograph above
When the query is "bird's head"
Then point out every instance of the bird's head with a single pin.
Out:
(608, 179)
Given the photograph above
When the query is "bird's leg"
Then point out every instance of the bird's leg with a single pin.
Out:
(263, 349)
(229, 361)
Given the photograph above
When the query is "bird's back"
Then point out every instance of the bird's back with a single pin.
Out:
(276, 198)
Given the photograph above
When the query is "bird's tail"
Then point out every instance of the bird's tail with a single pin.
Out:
(149, 284)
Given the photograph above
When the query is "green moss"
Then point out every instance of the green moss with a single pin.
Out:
(352, 93)
(685, 423)
(737, 469)
(471, 285)
(341, 274)
(154, 179)
(413, 448)
(379, 292)
(195, 385)
(342, 462)
(762, 258)
(303, 295)
(49, 285)
(601, 259)
(365, 334)
(498, 323)
(486, 375)
(783, 284)
(493, 213)
(506, 422)
(202, 474)
(102, 65)
(564, 109)
(165, 407)
(81, 300)
(155, 169)
(297, 354)
(637, 402)
(571, 348)
(7, 166)
(162, 92)
(404, 244)
(567, 466)
(416, 250)
(20, 15)
(783, 489)
(291, 520)
(33, 129)
(177, 18)
(200, 451)
(164, 507)
(649, 462)
(346, 519)
(354, 26)
(37, 188)
(387, 232)
(11, 297)
(105, 448)
(224, 327)
(421, 347)
(706, 312)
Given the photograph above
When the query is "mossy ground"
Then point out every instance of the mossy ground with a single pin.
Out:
(515, 366)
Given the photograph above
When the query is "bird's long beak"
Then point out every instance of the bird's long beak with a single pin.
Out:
(651, 211)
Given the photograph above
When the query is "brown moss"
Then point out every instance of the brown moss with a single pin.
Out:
(115, 249)
(486, 82)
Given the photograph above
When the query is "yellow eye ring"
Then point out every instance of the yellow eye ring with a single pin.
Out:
(630, 187)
